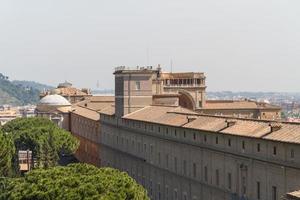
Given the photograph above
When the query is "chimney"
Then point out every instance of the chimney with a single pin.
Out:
(230, 122)
(275, 127)
(191, 118)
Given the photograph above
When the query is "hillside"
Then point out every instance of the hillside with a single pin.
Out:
(18, 92)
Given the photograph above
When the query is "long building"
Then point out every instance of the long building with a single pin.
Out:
(163, 132)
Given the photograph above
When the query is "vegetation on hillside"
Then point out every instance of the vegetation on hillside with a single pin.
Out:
(41, 136)
(18, 92)
(74, 182)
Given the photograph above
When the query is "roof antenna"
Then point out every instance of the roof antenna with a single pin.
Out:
(171, 63)
(147, 55)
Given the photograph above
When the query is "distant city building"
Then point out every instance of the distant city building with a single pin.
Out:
(56, 108)
(66, 89)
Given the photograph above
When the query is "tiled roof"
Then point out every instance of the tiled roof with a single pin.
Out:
(110, 110)
(86, 112)
(294, 195)
(243, 104)
(179, 117)
(70, 92)
(97, 103)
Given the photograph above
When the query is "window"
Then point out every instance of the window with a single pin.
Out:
(258, 190)
(205, 138)
(175, 164)
(175, 195)
(217, 140)
(258, 147)
(217, 178)
(184, 134)
(274, 151)
(167, 161)
(159, 158)
(151, 187)
(243, 145)
(159, 129)
(229, 142)
(205, 174)
(167, 193)
(194, 136)
(159, 194)
(229, 181)
(167, 131)
(274, 193)
(184, 167)
(195, 170)
(138, 85)
(175, 132)
(292, 153)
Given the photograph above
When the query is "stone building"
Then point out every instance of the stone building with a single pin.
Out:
(179, 153)
(66, 89)
(85, 125)
(56, 108)
(139, 87)
(162, 130)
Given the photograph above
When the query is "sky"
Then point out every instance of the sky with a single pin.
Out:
(241, 45)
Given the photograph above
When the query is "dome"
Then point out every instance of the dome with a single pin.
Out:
(54, 100)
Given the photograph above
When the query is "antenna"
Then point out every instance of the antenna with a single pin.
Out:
(147, 56)
(171, 64)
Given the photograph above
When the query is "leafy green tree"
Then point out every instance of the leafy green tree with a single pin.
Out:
(74, 182)
(7, 151)
(42, 137)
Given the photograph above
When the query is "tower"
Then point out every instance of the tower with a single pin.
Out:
(133, 88)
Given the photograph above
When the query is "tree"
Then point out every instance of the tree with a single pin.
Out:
(74, 182)
(7, 151)
(42, 137)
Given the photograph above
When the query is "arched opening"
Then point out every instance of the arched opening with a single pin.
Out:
(186, 100)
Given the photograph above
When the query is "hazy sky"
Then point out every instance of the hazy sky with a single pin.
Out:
(241, 45)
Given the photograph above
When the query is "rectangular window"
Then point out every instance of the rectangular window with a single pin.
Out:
(205, 174)
(274, 193)
(258, 147)
(229, 142)
(243, 145)
(274, 151)
(194, 136)
(184, 134)
(195, 170)
(184, 167)
(217, 140)
(167, 193)
(217, 177)
(167, 161)
(175, 164)
(229, 181)
(159, 158)
(137, 85)
(205, 138)
(292, 153)
(175, 195)
(258, 190)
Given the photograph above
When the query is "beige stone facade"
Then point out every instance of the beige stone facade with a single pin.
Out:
(182, 155)
(162, 130)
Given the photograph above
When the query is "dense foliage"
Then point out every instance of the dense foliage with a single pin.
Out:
(74, 182)
(17, 94)
(41, 136)
(6, 155)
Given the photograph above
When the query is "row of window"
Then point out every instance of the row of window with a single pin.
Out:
(195, 137)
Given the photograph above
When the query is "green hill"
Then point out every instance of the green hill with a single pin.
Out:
(19, 92)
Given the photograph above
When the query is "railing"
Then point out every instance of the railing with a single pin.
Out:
(121, 68)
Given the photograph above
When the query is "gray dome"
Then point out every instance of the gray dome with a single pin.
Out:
(54, 100)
